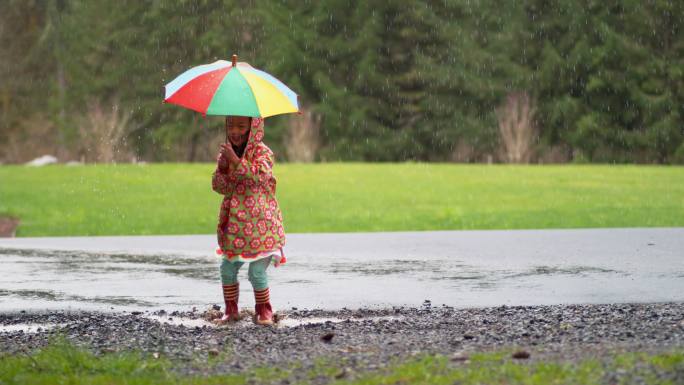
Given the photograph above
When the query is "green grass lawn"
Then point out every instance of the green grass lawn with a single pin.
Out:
(62, 363)
(343, 197)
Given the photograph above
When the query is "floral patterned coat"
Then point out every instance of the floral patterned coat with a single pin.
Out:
(250, 224)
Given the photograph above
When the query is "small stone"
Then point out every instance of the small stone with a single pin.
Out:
(342, 373)
(521, 355)
(213, 352)
(136, 312)
(468, 336)
(155, 355)
(216, 307)
(277, 317)
(212, 314)
(459, 357)
(327, 337)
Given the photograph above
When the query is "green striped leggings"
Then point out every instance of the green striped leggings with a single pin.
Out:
(256, 272)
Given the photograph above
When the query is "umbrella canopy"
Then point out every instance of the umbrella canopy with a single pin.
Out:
(231, 88)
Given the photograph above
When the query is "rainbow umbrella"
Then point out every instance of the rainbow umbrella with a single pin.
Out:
(231, 88)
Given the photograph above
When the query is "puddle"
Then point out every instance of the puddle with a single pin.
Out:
(52, 296)
(203, 273)
(286, 321)
(75, 258)
(463, 277)
(387, 267)
(571, 270)
(36, 294)
(337, 271)
(180, 321)
(29, 327)
(294, 322)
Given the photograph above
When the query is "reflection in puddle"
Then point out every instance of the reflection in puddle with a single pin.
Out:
(570, 270)
(94, 263)
(37, 294)
(493, 277)
(49, 295)
(390, 267)
(464, 276)
(480, 279)
(204, 273)
(82, 259)
(305, 281)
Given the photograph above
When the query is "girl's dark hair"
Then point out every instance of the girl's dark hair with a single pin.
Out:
(250, 120)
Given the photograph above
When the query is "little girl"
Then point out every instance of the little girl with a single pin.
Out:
(250, 222)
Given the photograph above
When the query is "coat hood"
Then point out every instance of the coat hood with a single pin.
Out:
(256, 136)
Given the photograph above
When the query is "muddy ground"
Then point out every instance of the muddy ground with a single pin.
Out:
(359, 340)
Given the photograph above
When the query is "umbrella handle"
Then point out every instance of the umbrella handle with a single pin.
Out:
(225, 127)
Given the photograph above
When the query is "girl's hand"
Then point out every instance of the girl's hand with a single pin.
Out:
(228, 152)
(222, 162)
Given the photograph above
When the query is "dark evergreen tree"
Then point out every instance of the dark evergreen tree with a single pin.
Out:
(389, 80)
(605, 75)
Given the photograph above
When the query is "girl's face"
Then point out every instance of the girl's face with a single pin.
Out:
(237, 128)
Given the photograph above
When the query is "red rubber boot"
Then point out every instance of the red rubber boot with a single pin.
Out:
(262, 309)
(231, 294)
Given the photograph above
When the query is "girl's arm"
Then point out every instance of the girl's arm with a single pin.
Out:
(220, 180)
(260, 170)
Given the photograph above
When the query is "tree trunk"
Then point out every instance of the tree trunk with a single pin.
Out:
(302, 142)
(516, 127)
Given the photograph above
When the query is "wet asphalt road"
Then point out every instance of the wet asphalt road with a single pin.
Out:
(352, 270)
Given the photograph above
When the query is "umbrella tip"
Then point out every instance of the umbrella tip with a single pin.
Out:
(234, 60)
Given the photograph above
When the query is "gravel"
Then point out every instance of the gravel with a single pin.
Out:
(368, 339)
